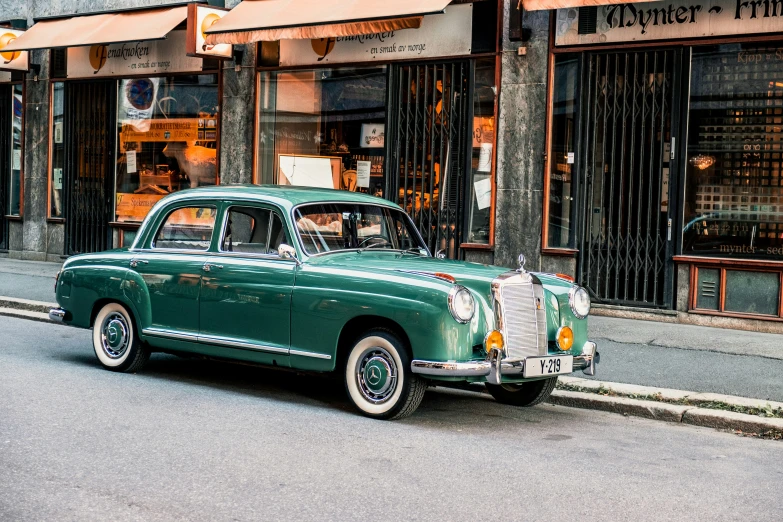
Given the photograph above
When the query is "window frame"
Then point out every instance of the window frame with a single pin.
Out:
(19, 216)
(160, 223)
(50, 156)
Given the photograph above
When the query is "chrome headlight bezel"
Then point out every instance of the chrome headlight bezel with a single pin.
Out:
(572, 301)
(455, 298)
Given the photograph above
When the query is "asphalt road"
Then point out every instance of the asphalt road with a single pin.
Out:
(195, 440)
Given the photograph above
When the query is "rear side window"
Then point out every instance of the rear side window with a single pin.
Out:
(188, 228)
(251, 230)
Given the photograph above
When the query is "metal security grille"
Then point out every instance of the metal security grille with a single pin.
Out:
(431, 105)
(625, 164)
(5, 160)
(89, 176)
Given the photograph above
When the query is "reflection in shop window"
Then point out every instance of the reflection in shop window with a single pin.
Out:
(167, 139)
(482, 153)
(57, 151)
(560, 232)
(734, 183)
(15, 193)
(323, 128)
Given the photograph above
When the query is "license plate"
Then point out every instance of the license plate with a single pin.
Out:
(538, 366)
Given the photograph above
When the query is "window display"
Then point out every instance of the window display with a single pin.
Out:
(167, 139)
(57, 151)
(323, 128)
(482, 153)
(734, 183)
(15, 192)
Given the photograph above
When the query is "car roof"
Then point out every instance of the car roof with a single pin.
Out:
(287, 196)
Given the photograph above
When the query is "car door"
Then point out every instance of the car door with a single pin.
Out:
(171, 266)
(246, 288)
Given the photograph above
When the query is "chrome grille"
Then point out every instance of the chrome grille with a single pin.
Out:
(521, 309)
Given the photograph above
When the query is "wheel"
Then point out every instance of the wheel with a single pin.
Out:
(379, 379)
(524, 394)
(115, 341)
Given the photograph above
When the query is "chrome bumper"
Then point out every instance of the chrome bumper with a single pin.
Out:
(494, 367)
(57, 315)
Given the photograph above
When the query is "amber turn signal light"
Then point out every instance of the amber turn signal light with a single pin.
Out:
(565, 338)
(493, 340)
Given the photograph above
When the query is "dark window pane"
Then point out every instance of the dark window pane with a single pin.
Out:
(752, 292)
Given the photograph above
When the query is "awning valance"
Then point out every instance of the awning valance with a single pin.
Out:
(270, 20)
(544, 5)
(106, 28)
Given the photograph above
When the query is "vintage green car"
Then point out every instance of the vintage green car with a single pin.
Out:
(324, 281)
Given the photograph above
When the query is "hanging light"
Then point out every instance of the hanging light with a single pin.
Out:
(702, 161)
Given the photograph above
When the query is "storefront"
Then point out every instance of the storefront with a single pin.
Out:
(12, 68)
(405, 114)
(665, 152)
(134, 116)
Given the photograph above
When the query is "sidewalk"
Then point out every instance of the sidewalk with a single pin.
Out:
(665, 355)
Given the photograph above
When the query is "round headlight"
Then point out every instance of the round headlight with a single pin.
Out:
(461, 304)
(579, 300)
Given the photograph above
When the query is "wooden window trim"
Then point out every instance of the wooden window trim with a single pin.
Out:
(693, 293)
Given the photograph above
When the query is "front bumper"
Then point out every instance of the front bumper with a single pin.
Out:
(494, 367)
(57, 315)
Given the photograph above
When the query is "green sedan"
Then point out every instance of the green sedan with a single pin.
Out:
(324, 281)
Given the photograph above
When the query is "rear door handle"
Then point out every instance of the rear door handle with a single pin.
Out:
(209, 266)
(135, 262)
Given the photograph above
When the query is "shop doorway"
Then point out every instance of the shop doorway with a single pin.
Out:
(90, 128)
(6, 108)
(626, 176)
(429, 110)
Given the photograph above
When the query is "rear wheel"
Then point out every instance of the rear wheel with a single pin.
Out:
(379, 379)
(116, 342)
(523, 394)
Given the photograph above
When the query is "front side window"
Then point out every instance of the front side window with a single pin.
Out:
(335, 226)
(188, 228)
(251, 230)
(167, 139)
(734, 170)
(323, 128)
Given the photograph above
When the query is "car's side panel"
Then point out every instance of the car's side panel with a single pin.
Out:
(326, 298)
(83, 286)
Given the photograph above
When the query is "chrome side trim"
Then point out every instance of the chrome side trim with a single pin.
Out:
(57, 315)
(234, 343)
(311, 354)
(169, 334)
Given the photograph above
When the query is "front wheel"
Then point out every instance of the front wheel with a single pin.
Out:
(379, 379)
(116, 342)
(524, 394)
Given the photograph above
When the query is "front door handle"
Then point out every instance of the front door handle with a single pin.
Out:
(135, 262)
(209, 266)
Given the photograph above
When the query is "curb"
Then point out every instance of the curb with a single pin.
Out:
(26, 314)
(16, 303)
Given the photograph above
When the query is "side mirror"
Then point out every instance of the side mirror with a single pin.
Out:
(287, 252)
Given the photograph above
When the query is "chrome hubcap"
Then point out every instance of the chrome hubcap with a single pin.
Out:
(115, 335)
(376, 373)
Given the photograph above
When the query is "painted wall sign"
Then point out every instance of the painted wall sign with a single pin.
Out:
(447, 34)
(201, 18)
(14, 60)
(673, 19)
(125, 59)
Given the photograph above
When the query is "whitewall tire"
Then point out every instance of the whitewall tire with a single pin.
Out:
(379, 379)
(115, 340)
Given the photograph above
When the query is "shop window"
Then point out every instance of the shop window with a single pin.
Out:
(562, 156)
(15, 188)
(57, 150)
(187, 228)
(167, 132)
(734, 176)
(323, 128)
(482, 158)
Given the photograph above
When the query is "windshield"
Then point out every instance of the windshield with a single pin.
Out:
(343, 226)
